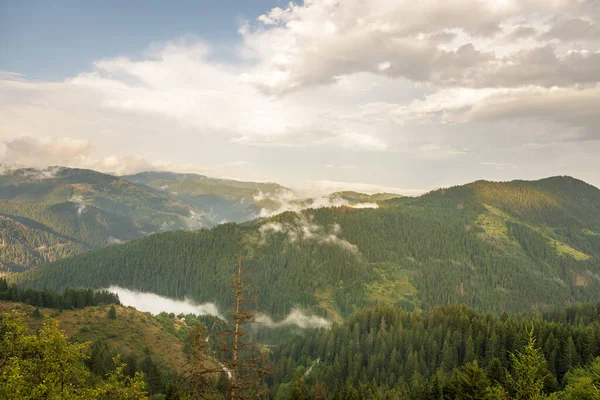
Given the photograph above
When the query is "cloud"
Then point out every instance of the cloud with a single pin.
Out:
(304, 229)
(318, 41)
(295, 318)
(155, 304)
(326, 186)
(365, 205)
(287, 200)
(500, 166)
(520, 32)
(334, 166)
(439, 152)
(567, 30)
(395, 83)
(45, 150)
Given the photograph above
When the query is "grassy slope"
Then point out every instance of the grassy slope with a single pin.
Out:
(132, 331)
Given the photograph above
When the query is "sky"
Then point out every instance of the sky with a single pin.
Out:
(373, 95)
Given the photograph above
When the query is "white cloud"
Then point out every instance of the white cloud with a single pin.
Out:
(439, 152)
(295, 318)
(287, 200)
(304, 229)
(42, 151)
(155, 304)
(365, 205)
(500, 166)
(298, 46)
(387, 81)
(334, 166)
(326, 186)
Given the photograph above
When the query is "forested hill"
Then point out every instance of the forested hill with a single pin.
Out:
(49, 214)
(220, 199)
(496, 247)
(445, 353)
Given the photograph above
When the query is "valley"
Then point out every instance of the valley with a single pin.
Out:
(455, 263)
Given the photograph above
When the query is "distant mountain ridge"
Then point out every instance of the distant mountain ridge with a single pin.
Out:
(222, 200)
(508, 246)
(52, 213)
(48, 214)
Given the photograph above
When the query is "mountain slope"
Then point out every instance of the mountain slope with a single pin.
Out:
(494, 246)
(221, 200)
(132, 332)
(46, 215)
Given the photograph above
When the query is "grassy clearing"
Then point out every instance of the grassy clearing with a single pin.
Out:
(494, 225)
(391, 286)
(494, 222)
(325, 302)
(566, 250)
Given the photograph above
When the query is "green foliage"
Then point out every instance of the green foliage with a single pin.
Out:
(425, 355)
(530, 370)
(112, 313)
(70, 298)
(120, 386)
(45, 366)
(470, 382)
(583, 383)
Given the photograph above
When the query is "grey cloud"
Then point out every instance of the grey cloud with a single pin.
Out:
(538, 66)
(520, 32)
(568, 107)
(571, 30)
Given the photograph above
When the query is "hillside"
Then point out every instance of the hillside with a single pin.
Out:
(131, 333)
(357, 197)
(220, 199)
(49, 214)
(497, 247)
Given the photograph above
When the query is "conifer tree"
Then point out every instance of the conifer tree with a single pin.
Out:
(530, 370)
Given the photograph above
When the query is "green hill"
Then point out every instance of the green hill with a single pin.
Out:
(356, 197)
(46, 215)
(132, 332)
(220, 199)
(511, 246)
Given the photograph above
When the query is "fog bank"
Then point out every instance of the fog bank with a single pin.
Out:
(297, 318)
(155, 304)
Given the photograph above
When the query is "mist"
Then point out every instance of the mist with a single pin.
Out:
(295, 318)
(286, 200)
(155, 304)
(304, 228)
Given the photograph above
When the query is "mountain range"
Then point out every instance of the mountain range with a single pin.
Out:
(49, 214)
(495, 246)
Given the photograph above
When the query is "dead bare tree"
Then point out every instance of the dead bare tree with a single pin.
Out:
(239, 359)
(246, 360)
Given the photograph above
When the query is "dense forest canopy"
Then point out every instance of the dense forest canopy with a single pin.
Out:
(496, 247)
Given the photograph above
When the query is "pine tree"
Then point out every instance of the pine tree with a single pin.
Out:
(112, 312)
(470, 382)
(36, 313)
(530, 370)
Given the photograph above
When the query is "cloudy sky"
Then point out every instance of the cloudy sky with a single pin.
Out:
(403, 95)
